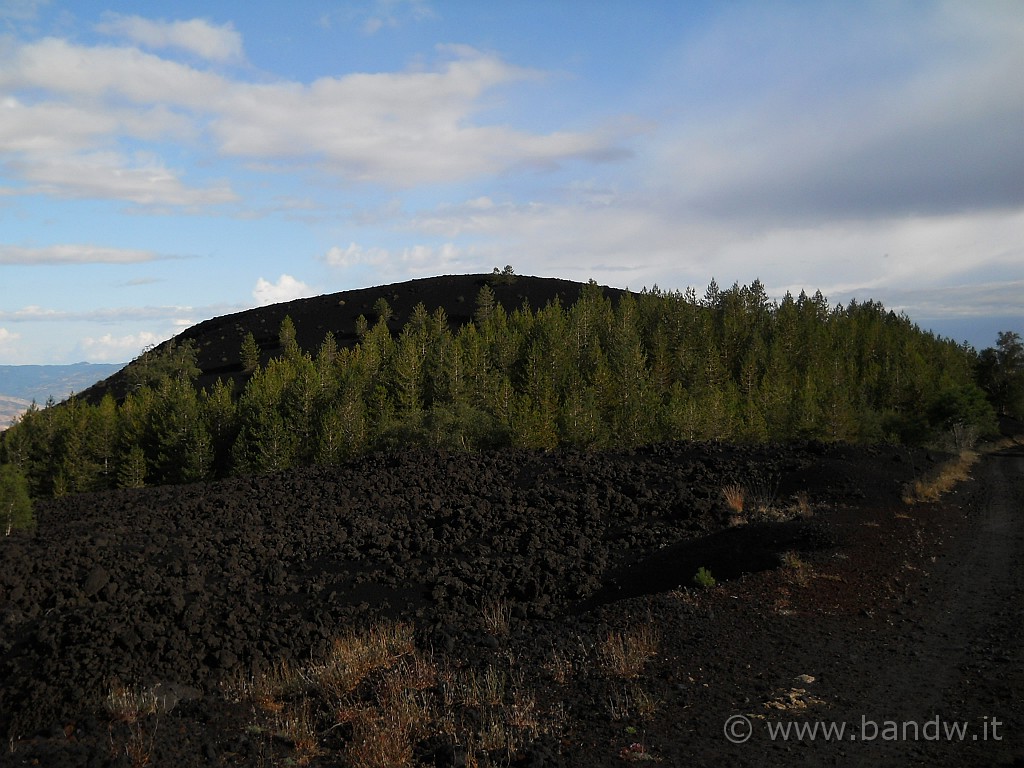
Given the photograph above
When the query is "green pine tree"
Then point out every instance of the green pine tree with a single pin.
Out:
(15, 502)
(250, 353)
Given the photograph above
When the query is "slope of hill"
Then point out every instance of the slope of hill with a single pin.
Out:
(219, 340)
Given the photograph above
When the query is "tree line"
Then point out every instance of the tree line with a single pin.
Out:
(729, 365)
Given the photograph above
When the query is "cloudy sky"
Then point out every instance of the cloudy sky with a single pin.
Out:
(163, 163)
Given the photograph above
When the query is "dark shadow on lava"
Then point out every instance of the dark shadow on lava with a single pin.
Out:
(727, 554)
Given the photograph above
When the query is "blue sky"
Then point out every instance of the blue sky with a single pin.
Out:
(163, 163)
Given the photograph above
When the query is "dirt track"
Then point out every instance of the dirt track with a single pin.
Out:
(922, 667)
(898, 614)
(954, 655)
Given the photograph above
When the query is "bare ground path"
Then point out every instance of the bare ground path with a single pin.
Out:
(935, 678)
(960, 654)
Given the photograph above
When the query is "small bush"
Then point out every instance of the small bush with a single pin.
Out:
(703, 578)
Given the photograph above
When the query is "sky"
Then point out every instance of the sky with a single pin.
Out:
(164, 163)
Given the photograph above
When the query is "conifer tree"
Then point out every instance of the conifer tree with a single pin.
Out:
(287, 339)
(176, 359)
(342, 431)
(250, 354)
(1000, 372)
(181, 444)
(15, 502)
(485, 303)
(103, 435)
(382, 311)
(220, 414)
(132, 472)
(265, 441)
(326, 357)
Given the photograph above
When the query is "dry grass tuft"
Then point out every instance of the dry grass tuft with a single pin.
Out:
(735, 497)
(560, 667)
(268, 690)
(757, 499)
(378, 742)
(633, 703)
(380, 696)
(356, 655)
(296, 725)
(130, 708)
(942, 481)
(126, 704)
(496, 616)
(624, 654)
(802, 505)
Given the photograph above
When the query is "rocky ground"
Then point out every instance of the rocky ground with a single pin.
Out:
(521, 608)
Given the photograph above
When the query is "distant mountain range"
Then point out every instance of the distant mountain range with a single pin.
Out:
(21, 384)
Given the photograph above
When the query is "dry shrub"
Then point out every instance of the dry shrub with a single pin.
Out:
(487, 688)
(127, 704)
(356, 655)
(496, 616)
(943, 480)
(624, 654)
(521, 712)
(268, 690)
(632, 703)
(296, 725)
(130, 707)
(418, 671)
(560, 667)
(735, 497)
(378, 742)
(383, 733)
(495, 734)
(386, 697)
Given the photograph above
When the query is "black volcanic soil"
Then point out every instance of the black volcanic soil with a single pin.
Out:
(866, 612)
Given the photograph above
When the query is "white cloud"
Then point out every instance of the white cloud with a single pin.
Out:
(412, 260)
(67, 104)
(285, 289)
(393, 13)
(376, 15)
(962, 300)
(355, 255)
(7, 339)
(172, 314)
(401, 129)
(21, 10)
(113, 349)
(80, 72)
(638, 241)
(64, 109)
(73, 254)
(197, 36)
(108, 175)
